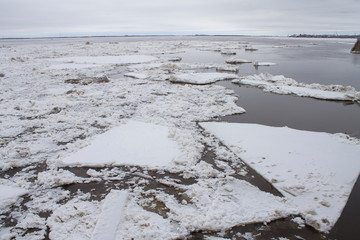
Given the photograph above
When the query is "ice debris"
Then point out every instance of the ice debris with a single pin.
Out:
(201, 78)
(283, 85)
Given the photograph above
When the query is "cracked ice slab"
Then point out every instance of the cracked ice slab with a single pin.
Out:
(315, 170)
(134, 143)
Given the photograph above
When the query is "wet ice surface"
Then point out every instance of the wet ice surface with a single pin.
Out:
(57, 96)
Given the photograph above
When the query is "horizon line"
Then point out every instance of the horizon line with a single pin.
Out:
(304, 35)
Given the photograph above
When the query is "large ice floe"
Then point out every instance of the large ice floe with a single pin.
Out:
(316, 171)
(283, 85)
(133, 143)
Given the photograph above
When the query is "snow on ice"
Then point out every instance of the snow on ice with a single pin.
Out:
(237, 61)
(201, 78)
(282, 85)
(264, 64)
(217, 204)
(314, 170)
(9, 194)
(133, 143)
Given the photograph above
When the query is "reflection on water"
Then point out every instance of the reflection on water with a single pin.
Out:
(295, 112)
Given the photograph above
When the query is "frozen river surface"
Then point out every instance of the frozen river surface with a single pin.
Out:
(179, 137)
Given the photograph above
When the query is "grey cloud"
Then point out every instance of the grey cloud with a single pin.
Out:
(22, 17)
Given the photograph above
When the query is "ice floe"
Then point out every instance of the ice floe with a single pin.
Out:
(216, 204)
(201, 78)
(315, 170)
(237, 61)
(133, 143)
(264, 64)
(175, 59)
(283, 85)
(9, 194)
(112, 213)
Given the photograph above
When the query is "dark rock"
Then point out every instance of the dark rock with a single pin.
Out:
(356, 48)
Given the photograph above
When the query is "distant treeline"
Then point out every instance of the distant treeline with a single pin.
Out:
(323, 36)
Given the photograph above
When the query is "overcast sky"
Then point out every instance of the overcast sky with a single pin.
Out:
(19, 18)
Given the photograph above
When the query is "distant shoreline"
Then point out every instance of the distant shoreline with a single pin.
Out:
(190, 35)
(323, 36)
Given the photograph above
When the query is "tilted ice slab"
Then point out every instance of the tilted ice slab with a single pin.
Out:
(315, 170)
(282, 85)
(219, 204)
(102, 60)
(201, 78)
(112, 213)
(9, 194)
(134, 143)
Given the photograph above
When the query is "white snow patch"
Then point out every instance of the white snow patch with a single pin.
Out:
(315, 170)
(282, 85)
(218, 204)
(201, 78)
(134, 143)
(9, 194)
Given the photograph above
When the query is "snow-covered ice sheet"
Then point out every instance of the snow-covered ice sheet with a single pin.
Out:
(133, 143)
(282, 85)
(201, 78)
(217, 204)
(9, 194)
(315, 170)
